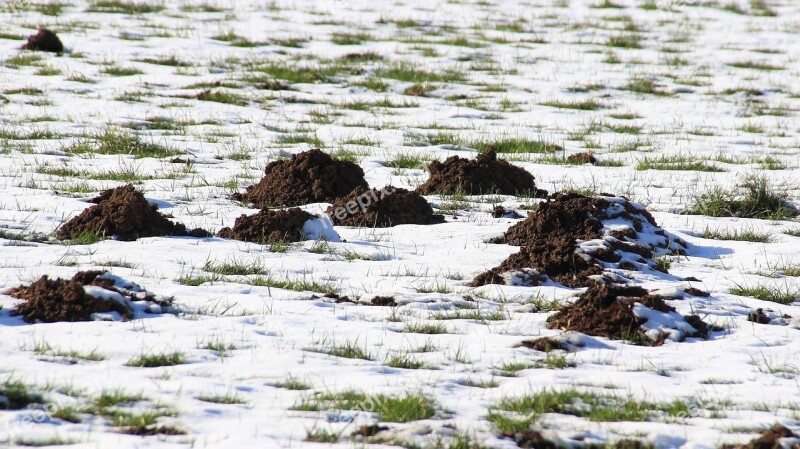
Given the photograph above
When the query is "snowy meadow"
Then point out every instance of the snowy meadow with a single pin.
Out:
(664, 133)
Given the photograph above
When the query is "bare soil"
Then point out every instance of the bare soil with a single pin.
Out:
(124, 213)
(769, 439)
(268, 226)
(309, 177)
(53, 300)
(484, 174)
(44, 40)
(607, 311)
(383, 208)
(553, 243)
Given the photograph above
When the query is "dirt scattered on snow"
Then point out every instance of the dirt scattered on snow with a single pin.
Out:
(268, 226)
(577, 241)
(482, 175)
(309, 177)
(83, 297)
(125, 214)
(44, 40)
(769, 439)
(629, 313)
(390, 206)
(544, 344)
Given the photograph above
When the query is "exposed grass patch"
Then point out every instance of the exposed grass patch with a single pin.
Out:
(631, 41)
(427, 328)
(223, 96)
(18, 395)
(399, 408)
(771, 293)
(411, 73)
(755, 65)
(303, 284)
(581, 105)
(235, 267)
(408, 161)
(754, 197)
(349, 350)
(230, 397)
(293, 383)
(676, 162)
(738, 235)
(123, 7)
(155, 360)
(113, 140)
(115, 70)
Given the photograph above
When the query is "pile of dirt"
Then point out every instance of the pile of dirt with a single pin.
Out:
(769, 439)
(125, 214)
(484, 174)
(577, 240)
(89, 295)
(268, 226)
(44, 40)
(383, 208)
(308, 177)
(627, 313)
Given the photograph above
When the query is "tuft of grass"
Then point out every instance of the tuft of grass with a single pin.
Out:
(157, 360)
(771, 293)
(754, 197)
(235, 267)
(396, 408)
(676, 162)
(349, 350)
(411, 73)
(125, 7)
(115, 70)
(427, 328)
(755, 65)
(595, 407)
(222, 96)
(17, 395)
(747, 235)
(113, 140)
(581, 105)
(293, 383)
(350, 38)
(405, 361)
(230, 397)
(631, 41)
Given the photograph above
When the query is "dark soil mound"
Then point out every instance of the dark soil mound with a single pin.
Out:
(484, 174)
(125, 214)
(576, 240)
(269, 225)
(50, 301)
(383, 208)
(769, 439)
(544, 344)
(44, 40)
(308, 177)
(612, 312)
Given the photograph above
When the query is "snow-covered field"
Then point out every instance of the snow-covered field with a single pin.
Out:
(674, 98)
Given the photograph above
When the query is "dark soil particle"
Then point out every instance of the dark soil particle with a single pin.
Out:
(125, 214)
(268, 226)
(309, 177)
(44, 40)
(482, 175)
(383, 208)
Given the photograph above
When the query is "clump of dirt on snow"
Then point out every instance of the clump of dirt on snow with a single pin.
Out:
(627, 313)
(269, 225)
(89, 295)
(309, 177)
(44, 40)
(125, 214)
(484, 174)
(383, 208)
(769, 439)
(577, 241)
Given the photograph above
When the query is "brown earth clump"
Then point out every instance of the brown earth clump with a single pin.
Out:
(586, 157)
(309, 177)
(53, 300)
(44, 40)
(577, 240)
(125, 214)
(544, 344)
(608, 311)
(769, 439)
(268, 226)
(390, 206)
(484, 174)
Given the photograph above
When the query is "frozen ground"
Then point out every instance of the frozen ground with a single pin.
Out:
(675, 97)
